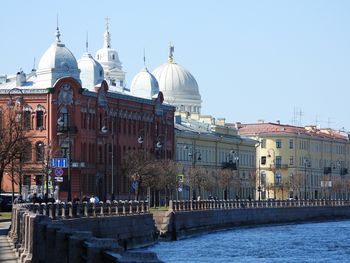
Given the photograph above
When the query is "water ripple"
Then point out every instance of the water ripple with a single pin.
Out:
(312, 242)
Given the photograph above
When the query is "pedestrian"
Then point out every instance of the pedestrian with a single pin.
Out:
(76, 199)
(35, 198)
(92, 199)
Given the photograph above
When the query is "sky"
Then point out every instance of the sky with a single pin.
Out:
(253, 60)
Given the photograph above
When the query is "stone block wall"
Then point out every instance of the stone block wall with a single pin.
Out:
(187, 223)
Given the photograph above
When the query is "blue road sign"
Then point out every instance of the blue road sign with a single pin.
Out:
(135, 185)
(58, 163)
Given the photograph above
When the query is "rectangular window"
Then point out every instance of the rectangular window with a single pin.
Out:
(263, 143)
(263, 160)
(291, 144)
(27, 122)
(291, 160)
(278, 143)
(278, 161)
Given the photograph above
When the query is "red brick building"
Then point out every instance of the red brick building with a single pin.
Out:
(93, 126)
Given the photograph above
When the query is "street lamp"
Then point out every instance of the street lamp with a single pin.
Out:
(306, 164)
(47, 170)
(63, 126)
(104, 130)
(273, 168)
(259, 175)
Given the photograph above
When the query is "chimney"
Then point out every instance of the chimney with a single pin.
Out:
(261, 121)
(20, 78)
(278, 122)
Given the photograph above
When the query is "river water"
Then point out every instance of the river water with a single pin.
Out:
(308, 242)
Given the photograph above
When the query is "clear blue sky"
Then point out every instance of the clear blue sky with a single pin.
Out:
(252, 59)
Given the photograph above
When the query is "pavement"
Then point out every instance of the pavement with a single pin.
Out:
(7, 255)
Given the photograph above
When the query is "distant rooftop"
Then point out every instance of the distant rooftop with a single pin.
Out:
(263, 128)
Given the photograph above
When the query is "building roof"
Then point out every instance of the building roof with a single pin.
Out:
(192, 127)
(259, 129)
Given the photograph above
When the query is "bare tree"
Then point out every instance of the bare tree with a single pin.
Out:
(168, 171)
(225, 180)
(196, 178)
(12, 137)
(139, 167)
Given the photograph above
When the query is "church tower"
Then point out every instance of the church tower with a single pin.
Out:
(109, 59)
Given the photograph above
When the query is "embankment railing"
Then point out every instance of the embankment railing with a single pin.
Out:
(62, 210)
(190, 205)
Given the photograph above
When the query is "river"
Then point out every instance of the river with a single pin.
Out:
(308, 242)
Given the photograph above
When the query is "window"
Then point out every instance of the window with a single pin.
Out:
(39, 149)
(278, 143)
(263, 143)
(291, 160)
(291, 144)
(263, 160)
(27, 121)
(27, 152)
(278, 161)
(39, 119)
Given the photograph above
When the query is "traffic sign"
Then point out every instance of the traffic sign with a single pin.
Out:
(135, 185)
(59, 179)
(58, 172)
(59, 163)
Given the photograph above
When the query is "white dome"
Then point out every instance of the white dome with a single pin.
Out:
(144, 85)
(179, 87)
(57, 62)
(58, 56)
(91, 72)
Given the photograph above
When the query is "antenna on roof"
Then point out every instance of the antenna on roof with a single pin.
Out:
(33, 69)
(144, 57)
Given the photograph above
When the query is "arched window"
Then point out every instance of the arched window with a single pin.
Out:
(40, 110)
(113, 57)
(39, 150)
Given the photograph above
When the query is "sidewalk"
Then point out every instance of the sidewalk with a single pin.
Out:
(6, 253)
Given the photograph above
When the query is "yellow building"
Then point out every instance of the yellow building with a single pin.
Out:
(299, 162)
(203, 142)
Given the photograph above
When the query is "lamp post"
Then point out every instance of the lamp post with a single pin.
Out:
(306, 164)
(63, 125)
(273, 168)
(259, 175)
(104, 130)
(43, 153)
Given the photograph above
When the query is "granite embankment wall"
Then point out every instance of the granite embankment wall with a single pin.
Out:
(177, 224)
(59, 233)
